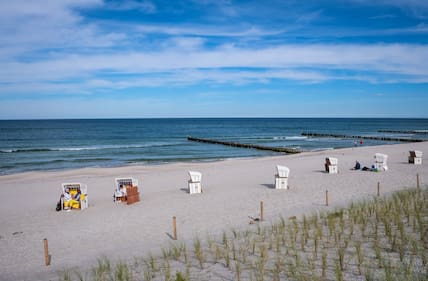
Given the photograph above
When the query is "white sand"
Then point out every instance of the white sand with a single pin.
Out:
(233, 190)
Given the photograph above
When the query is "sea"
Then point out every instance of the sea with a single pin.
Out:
(42, 145)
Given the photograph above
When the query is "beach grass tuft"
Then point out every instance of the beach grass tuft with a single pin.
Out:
(380, 239)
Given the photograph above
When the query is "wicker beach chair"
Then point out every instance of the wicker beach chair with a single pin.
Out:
(415, 157)
(195, 182)
(281, 178)
(126, 190)
(380, 162)
(79, 203)
(331, 165)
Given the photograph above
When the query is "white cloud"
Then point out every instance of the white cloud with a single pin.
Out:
(51, 48)
(207, 30)
(310, 64)
(32, 26)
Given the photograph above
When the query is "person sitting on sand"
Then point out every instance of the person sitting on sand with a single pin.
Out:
(357, 165)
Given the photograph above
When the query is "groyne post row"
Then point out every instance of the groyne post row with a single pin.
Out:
(245, 145)
(421, 132)
(309, 134)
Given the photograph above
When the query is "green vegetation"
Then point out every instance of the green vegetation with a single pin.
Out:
(382, 239)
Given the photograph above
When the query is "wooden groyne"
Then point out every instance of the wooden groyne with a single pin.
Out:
(246, 145)
(361, 137)
(416, 132)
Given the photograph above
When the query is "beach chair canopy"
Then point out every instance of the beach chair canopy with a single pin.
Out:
(333, 161)
(283, 171)
(380, 158)
(195, 176)
(75, 186)
(128, 181)
(416, 153)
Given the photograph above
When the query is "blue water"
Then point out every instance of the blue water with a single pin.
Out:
(29, 145)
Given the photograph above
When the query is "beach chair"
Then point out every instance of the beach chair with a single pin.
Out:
(331, 165)
(415, 157)
(281, 178)
(126, 190)
(380, 162)
(74, 188)
(195, 182)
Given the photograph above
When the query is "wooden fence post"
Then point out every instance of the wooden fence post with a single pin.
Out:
(378, 189)
(174, 224)
(326, 197)
(261, 211)
(47, 261)
(417, 181)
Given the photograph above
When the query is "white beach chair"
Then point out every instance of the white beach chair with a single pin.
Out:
(74, 188)
(415, 157)
(195, 182)
(331, 165)
(380, 162)
(281, 178)
(121, 185)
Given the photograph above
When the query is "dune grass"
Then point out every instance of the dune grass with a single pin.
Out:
(381, 239)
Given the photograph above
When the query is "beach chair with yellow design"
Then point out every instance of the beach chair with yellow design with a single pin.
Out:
(79, 196)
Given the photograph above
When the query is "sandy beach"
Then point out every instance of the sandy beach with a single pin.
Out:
(232, 189)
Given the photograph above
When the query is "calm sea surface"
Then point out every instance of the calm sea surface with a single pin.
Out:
(29, 145)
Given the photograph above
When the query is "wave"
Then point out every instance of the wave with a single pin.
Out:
(290, 138)
(322, 149)
(98, 147)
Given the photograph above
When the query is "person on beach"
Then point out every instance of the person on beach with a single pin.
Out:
(76, 197)
(327, 164)
(357, 166)
(121, 193)
(71, 200)
(67, 198)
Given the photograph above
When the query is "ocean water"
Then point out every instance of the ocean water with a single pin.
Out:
(30, 145)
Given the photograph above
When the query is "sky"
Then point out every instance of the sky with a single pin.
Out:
(213, 58)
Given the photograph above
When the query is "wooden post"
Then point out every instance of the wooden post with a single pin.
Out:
(174, 224)
(326, 197)
(261, 210)
(417, 181)
(45, 242)
(378, 189)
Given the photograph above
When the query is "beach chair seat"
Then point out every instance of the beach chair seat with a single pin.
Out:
(281, 178)
(77, 204)
(194, 182)
(331, 165)
(126, 190)
(381, 162)
(415, 157)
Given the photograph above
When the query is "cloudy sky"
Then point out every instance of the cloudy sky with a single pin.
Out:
(213, 58)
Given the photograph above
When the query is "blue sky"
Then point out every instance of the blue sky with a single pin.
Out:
(213, 58)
